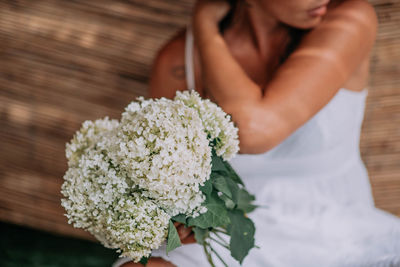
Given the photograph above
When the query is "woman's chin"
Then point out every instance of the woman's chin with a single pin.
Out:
(309, 23)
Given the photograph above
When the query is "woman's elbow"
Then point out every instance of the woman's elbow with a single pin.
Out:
(259, 134)
(254, 143)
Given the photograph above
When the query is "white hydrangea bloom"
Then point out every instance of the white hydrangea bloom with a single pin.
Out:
(127, 179)
(163, 147)
(218, 125)
(90, 187)
(135, 226)
(88, 136)
(101, 199)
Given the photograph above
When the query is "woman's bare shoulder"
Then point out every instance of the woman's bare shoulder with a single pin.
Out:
(340, 43)
(358, 21)
(355, 17)
(353, 12)
(168, 69)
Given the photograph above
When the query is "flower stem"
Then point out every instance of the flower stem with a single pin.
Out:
(220, 243)
(208, 254)
(220, 238)
(215, 230)
(219, 257)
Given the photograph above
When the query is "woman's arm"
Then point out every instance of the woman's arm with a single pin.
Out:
(168, 70)
(309, 78)
(153, 262)
(186, 236)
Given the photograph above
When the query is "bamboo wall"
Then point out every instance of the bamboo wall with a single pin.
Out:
(65, 61)
(380, 139)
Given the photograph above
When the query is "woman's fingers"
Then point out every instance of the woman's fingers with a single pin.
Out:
(189, 239)
(186, 234)
(213, 10)
(153, 262)
(183, 231)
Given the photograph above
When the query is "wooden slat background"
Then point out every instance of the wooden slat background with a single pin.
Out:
(65, 61)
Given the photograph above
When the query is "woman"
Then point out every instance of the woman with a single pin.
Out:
(292, 73)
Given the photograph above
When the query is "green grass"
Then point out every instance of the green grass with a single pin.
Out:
(20, 247)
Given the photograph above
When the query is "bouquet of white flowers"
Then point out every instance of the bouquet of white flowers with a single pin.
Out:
(165, 161)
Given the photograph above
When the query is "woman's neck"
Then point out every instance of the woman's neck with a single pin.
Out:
(251, 23)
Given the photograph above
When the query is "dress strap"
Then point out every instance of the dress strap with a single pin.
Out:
(189, 66)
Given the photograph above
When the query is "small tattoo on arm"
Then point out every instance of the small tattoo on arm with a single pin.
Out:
(178, 72)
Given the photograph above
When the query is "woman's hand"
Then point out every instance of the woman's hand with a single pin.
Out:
(210, 12)
(186, 234)
(153, 262)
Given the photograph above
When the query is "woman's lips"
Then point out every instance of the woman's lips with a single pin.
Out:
(318, 11)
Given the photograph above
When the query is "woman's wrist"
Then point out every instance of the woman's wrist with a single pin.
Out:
(206, 18)
(210, 11)
(204, 31)
(206, 35)
(153, 262)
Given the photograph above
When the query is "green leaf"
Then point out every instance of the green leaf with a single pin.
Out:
(243, 201)
(173, 240)
(242, 232)
(240, 196)
(181, 218)
(200, 234)
(207, 187)
(229, 204)
(216, 215)
(232, 173)
(144, 260)
(233, 188)
(217, 163)
(221, 185)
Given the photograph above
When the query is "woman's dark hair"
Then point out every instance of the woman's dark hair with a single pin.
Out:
(227, 20)
(295, 34)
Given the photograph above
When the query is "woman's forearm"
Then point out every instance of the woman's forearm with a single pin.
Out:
(227, 83)
(233, 90)
(223, 77)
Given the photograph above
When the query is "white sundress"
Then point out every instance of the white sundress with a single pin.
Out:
(320, 211)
